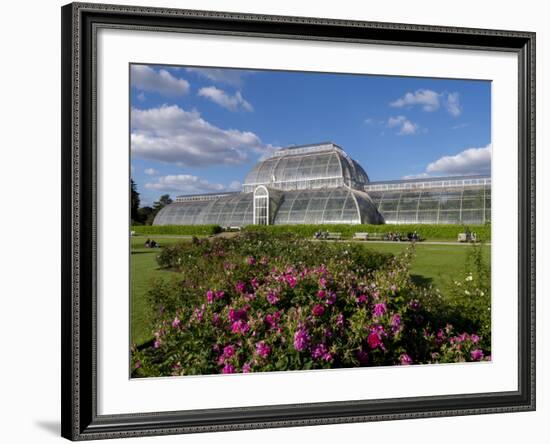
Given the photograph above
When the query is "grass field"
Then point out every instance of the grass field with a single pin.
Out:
(433, 265)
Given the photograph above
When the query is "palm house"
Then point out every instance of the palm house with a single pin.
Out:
(321, 184)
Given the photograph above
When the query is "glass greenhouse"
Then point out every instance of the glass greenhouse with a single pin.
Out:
(321, 184)
(452, 200)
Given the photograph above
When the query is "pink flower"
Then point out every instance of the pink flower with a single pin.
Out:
(156, 344)
(262, 349)
(250, 260)
(301, 339)
(340, 320)
(474, 338)
(379, 310)
(198, 313)
(228, 351)
(228, 368)
(210, 296)
(255, 282)
(220, 294)
(361, 299)
(331, 298)
(318, 310)
(393, 288)
(319, 351)
(323, 282)
(235, 315)
(240, 326)
(272, 298)
(247, 367)
(176, 322)
(273, 319)
(405, 359)
(240, 286)
(290, 280)
(137, 364)
(477, 354)
(374, 340)
(321, 294)
(396, 320)
(215, 319)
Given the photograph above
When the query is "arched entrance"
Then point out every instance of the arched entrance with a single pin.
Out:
(261, 206)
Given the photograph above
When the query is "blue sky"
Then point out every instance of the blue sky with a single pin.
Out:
(196, 130)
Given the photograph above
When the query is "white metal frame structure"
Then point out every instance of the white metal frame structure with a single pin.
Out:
(260, 210)
(321, 184)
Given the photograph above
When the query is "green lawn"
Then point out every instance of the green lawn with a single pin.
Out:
(143, 268)
(433, 264)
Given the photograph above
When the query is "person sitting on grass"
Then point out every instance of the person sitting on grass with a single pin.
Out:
(148, 243)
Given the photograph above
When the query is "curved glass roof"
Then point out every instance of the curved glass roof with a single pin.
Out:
(452, 205)
(328, 206)
(230, 210)
(303, 167)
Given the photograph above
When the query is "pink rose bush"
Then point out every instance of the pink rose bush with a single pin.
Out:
(262, 304)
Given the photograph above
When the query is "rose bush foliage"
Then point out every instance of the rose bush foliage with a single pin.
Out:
(267, 303)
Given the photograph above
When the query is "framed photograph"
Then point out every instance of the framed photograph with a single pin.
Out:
(280, 221)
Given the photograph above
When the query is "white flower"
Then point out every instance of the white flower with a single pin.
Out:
(469, 278)
(467, 292)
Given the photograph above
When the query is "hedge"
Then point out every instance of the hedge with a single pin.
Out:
(426, 231)
(189, 230)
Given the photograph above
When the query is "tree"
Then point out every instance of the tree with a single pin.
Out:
(146, 215)
(163, 201)
(134, 201)
(157, 206)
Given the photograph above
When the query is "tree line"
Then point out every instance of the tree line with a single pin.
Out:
(145, 215)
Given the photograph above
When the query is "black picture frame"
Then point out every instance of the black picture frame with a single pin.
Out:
(80, 420)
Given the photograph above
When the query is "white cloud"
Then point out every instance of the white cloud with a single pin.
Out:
(189, 184)
(428, 99)
(460, 125)
(233, 77)
(232, 103)
(406, 127)
(453, 104)
(234, 185)
(171, 134)
(145, 78)
(469, 161)
(150, 171)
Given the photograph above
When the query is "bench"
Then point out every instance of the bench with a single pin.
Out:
(467, 237)
(368, 236)
(334, 236)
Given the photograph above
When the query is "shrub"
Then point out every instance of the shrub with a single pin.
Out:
(189, 230)
(266, 303)
(426, 231)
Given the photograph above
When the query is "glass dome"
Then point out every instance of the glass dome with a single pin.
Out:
(323, 165)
